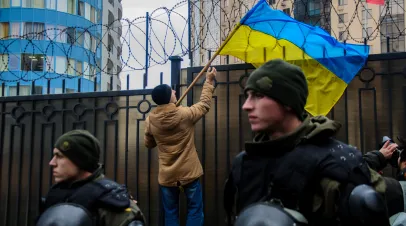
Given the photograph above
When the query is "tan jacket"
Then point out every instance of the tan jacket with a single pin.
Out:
(172, 129)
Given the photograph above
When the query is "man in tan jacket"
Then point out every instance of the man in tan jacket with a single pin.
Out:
(172, 130)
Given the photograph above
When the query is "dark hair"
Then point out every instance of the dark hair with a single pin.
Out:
(161, 94)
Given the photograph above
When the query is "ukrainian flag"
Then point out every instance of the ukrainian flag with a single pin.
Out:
(265, 34)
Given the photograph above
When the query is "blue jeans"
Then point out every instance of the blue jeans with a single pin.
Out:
(170, 200)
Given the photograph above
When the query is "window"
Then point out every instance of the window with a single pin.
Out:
(23, 91)
(80, 38)
(15, 29)
(87, 11)
(50, 64)
(33, 4)
(111, 2)
(120, 31)
(32, 62)
(342, 18)
(15, 3)
(87, 41)
(3, 62)
(86, 70)
(118, 52)
(79, 68)
(67, 90)
(342, 2)
(108, 86)
(71, 35)
(33, 30)
(120, 14)
(38, 90)
(98, 16)
(71, 7)
(61, 34)
(110, 44)
(93, 15)
(61, 64)
(4, 3)
(110, 67)
(50, 33)
(93, 43)
(4, 30)
(110, 18)
(62, 6)
(225, 19)
(365, 34)
(313, 7)
(81, 8)
(391, 27)
(366, 14)
(396, 7)
(14, 62)
(342, 35)
(92, 72)
(71, 67)
(51, 4)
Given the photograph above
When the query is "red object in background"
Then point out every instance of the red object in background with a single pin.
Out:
(376, 2)
(380, 172)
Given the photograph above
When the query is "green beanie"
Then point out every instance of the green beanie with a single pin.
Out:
(281, 81)
(81, 147)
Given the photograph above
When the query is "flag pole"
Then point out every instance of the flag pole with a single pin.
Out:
(208, 64)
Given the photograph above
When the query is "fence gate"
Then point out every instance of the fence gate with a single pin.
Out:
(372, 106)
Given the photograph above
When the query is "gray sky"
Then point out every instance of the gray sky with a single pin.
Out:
(133, 35)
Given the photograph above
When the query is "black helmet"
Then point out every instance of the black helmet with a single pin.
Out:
(65, 214)
(269, 214)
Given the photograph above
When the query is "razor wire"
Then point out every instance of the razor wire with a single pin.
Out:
(186, 29)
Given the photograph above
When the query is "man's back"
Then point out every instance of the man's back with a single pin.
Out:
(171, 129)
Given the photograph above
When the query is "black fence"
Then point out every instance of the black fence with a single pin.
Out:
(372, 106)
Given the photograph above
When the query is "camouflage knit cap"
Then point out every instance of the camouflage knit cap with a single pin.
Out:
(283, 82)
(81, 147)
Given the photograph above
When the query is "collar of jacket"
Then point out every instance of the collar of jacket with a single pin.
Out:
(164, 107)
(262, 145)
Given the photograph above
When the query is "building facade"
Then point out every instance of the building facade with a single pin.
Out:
(350, 21)
(43, 42)
(111, 44)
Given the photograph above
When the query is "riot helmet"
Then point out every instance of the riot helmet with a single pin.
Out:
(269, 214)
(65, 214)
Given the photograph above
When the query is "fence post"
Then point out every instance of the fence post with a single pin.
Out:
(146, 46)
(175, 73)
